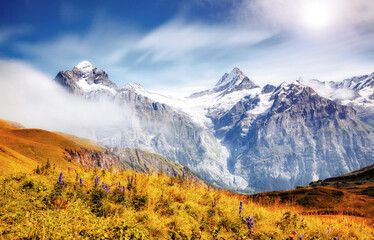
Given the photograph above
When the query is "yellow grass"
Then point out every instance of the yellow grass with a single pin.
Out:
(152, 207)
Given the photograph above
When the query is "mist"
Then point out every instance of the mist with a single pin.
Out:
(34, 100)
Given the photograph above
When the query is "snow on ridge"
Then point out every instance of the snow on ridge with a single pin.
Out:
(235, 77)
(264, 104)
(84, 67)
(82, 83)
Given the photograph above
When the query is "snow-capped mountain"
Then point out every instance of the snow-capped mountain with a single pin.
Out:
(238, 134)
(153, 125)
(357, 92)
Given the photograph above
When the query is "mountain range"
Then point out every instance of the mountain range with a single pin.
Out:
(239, 135)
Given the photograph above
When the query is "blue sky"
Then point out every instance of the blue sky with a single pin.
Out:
(175, 44)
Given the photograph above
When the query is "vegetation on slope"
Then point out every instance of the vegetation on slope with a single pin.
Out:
(100, 204)
(351, 194)
(22, 150)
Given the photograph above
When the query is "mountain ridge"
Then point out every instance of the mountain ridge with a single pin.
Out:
(239, 132)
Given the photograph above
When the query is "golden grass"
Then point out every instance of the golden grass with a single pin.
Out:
(152, 207)
(22, 150)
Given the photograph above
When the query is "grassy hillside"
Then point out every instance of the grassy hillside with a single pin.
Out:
(351, 194)
(36, 206)
(22, 150)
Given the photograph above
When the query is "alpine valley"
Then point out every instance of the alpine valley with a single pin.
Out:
(239, 135)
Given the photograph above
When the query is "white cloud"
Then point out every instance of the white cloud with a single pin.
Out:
(29, 97)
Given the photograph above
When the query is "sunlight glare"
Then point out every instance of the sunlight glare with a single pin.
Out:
(316, 15)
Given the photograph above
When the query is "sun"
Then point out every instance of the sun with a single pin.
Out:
(316, 14)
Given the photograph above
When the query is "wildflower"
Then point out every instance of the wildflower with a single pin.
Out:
(276, 232)
(75, 188)
(81, 181)
(250, 222)
(335, 238)
(290, 236)
(107, 187)
(77, 177)
(68, 169)
(240, 208)
(63, 183)
(300, 237)
(123, 188)
(328, 230)
(60, 178)
(119, 189)
(96, 181)
(294, 232)
(119, 183)
(103, 184)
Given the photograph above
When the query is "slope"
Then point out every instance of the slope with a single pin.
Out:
(22, 150)
(351, 194)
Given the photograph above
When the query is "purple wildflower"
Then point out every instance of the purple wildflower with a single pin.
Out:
(240, 208)
(63, 183)
(81, 181)
(300, 237)
(75, 188)
(96, 181)
(123, 188)
(77, 177)
(60, 178)
(250, 222)
(103, 184)
(335, 238)
(328, 230)
(68, 169)
(119, 189)
(119, 183)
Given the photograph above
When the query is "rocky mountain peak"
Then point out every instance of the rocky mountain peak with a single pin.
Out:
(84, 78)
(84, 67)
(236, 74)
(229, 82)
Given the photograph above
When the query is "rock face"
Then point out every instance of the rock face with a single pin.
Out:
(357, 92)
(93, 159)
(237, 134)
(302, 136)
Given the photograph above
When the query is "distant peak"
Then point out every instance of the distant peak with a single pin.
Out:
(136, 87)
(298, 81)
(236, 70)
(236, 73)
(84, 66)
